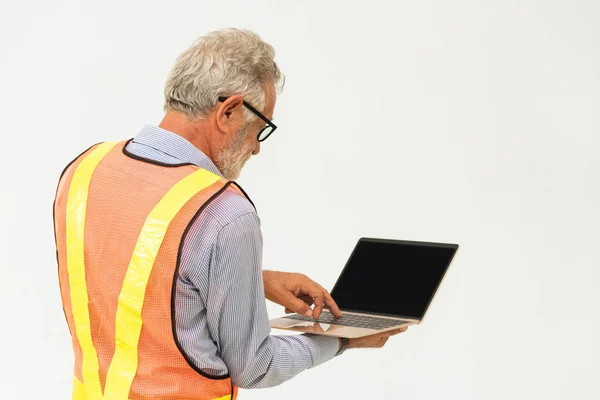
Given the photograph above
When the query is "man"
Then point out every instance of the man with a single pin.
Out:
(160, 253)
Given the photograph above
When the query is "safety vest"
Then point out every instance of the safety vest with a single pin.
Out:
(120, 221)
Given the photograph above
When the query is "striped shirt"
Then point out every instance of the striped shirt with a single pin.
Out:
(220, 310)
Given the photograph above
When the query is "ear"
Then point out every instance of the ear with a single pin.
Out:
(230, 114)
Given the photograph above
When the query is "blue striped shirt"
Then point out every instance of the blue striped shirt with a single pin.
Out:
(220, 310)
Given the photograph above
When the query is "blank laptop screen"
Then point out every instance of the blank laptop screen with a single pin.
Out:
(392, 277)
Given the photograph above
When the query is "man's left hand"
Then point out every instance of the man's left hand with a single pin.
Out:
(297, 292)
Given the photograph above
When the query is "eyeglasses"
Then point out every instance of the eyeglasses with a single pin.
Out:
(267, 130)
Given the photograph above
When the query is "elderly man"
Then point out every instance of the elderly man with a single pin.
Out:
(160, 252)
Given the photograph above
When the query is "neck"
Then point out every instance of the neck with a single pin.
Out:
(195, 132)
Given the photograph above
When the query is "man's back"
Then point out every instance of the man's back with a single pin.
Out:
(119, 221)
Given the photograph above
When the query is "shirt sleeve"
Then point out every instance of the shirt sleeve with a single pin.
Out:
(237, 312)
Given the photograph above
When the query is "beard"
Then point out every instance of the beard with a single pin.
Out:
(231, 160)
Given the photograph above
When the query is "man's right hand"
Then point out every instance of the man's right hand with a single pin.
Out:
(375, 341)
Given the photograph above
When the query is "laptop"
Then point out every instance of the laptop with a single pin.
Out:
(385, 285)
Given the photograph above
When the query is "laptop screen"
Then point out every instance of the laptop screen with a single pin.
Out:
(392, 277)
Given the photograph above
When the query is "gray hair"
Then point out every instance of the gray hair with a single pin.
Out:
(222, 63)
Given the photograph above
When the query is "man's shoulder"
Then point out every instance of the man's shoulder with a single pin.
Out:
(229, 206)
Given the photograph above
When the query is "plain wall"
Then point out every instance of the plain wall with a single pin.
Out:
(474, 122)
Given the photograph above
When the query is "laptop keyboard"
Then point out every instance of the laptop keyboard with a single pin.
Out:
(358, 321)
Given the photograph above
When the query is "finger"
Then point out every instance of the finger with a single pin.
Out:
(307, 299)
(395, 331)
(332, 305)
(294, 304)
(320, 296)
(382, 342)
(318, 308)
(316, 293)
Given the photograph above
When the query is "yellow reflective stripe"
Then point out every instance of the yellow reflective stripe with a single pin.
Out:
(228, 397)
(128, 323)
(75, 220)
(78, 390)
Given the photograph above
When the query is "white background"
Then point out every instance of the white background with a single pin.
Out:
(473, 122)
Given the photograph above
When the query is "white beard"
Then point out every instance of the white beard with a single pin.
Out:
(231, 160)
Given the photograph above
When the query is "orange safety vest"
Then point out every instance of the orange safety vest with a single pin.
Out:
(119, 224)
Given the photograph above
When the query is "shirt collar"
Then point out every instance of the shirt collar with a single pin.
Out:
(175, 146)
